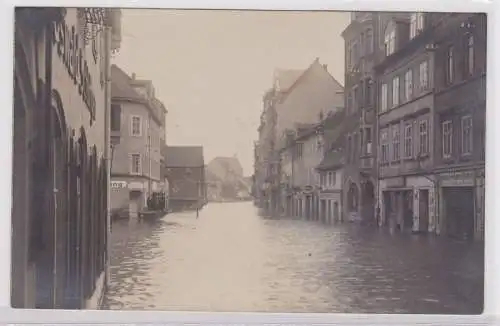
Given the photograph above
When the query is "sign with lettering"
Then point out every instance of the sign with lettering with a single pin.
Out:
(66, 40)
(118, 184)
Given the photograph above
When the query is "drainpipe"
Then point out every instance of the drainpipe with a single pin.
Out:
(107, 147)
(48, 138)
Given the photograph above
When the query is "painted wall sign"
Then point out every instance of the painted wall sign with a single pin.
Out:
(118, 184)
(66, 40)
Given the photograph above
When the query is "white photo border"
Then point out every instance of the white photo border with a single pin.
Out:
(492, 208)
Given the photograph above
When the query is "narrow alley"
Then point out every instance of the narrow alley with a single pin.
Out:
(230, 259)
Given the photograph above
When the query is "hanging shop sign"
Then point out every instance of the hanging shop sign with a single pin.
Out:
(71, 52)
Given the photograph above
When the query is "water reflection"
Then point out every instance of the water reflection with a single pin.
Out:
(232, 260)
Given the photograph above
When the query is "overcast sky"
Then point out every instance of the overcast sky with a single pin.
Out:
(211, 68)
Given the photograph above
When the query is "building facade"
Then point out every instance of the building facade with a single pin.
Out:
(359, 178)
(460, 115)
(60, 218)
(138, 127)
(185, 171)
(330, 169)
(405, 74)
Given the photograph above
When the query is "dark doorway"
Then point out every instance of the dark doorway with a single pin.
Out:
(368, 202)
(423, 211)
(387, 208)
(459, 208)
(407, 210)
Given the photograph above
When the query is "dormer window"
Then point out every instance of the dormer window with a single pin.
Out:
(416, 24)
(390, 40)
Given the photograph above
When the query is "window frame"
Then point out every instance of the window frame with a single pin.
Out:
(408, 81)
(396, 143)
(390, 40)
(423, 70)
(447, 138)
(450, 64)
(470, 53)
(132, 162)
(408, 147)
(423, 137)
(470, 135)
(132, 133)
(384, 97)
(384, 145)
(396, 91)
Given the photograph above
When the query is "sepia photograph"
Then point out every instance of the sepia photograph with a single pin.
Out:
(248, 161)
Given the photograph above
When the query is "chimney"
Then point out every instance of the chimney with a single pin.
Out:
(133, 75)
(325, 66)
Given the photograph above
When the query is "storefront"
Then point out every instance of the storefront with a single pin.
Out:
(462, 204)
(330, 206)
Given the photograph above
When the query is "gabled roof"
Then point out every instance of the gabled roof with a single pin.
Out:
(121, 85)
(304, 73)
(286, 78)
(184, 156)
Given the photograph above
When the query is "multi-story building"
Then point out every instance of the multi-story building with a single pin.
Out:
(405, 74)
(460, 105)
(359, 178)
(60, 226)
(308, 147)
(330, 168)
(138, 121)
(263, 151)
(185, 171)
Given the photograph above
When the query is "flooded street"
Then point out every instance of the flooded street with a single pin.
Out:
(230, 259)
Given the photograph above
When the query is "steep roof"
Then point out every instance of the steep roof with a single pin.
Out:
(285, 78)
(121, 85)
(184, 156)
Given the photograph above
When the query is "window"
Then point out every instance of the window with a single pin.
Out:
(450, 64)
(299, 150)
(396, 143)
(136, 126)
(470, 55)
(331, 178)
(384, 145)
(416, 24)
(467, 135)
(390, 41)
(447, 138)
(395, 91)
(116, 112)
(368, 92)
(420, 21)
(135, 163)
(424, 75)
(408, 144)
(408, 84)
(413, 25)
(367, 146)
(383, 97)
(424, 137)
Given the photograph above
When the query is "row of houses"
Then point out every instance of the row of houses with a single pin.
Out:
(407, 147)
(144, 170)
